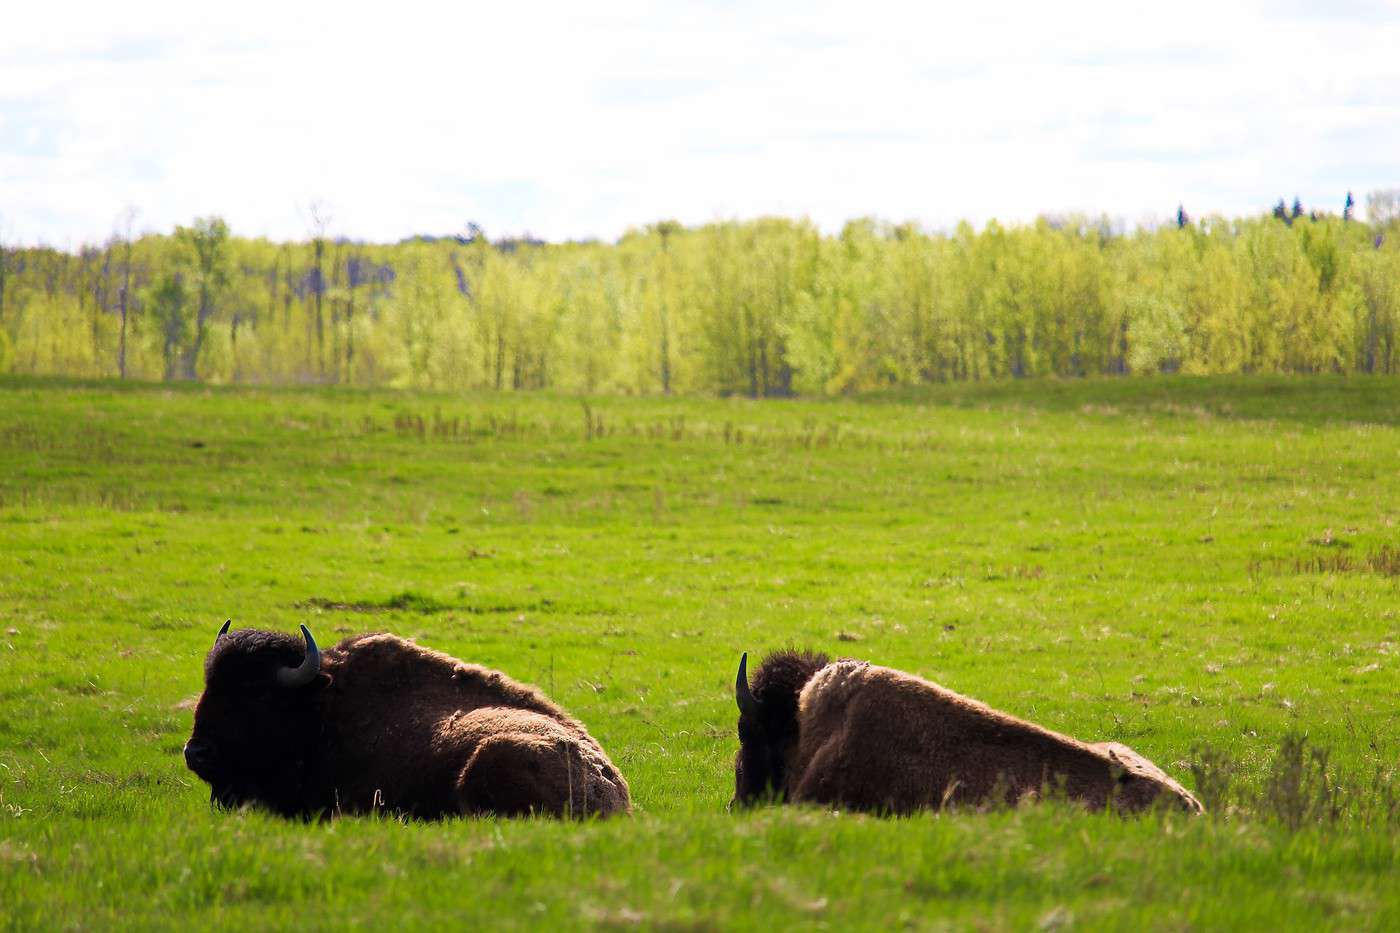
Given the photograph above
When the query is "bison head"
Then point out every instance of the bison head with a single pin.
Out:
(768, 727)
(257, 722)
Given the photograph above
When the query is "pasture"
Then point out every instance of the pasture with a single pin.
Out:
(1205, 569)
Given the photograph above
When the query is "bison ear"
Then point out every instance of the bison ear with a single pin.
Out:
(322, 681)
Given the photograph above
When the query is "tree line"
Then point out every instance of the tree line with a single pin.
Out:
(767, 307)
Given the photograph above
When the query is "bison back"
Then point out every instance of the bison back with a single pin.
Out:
(874, 738)
(524, 763)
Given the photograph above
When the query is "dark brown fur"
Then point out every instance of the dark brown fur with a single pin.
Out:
(391, 725)
(871, 738)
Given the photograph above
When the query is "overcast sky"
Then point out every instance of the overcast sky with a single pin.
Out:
(583, 119)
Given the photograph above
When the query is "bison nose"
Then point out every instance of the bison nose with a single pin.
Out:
(198, 754)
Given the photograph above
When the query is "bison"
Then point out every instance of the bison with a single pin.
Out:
(854, 735)
(378, 722)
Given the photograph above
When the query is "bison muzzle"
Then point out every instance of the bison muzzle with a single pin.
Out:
(379, 723)
(851, 734)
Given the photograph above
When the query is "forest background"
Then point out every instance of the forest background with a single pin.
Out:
(765, 307)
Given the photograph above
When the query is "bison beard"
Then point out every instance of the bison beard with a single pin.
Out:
(854, 735)
(378, 722)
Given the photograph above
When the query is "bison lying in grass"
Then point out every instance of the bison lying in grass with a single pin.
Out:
(377, 722)
(854, 735)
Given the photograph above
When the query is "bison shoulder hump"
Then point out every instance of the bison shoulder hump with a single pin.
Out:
(832, 687)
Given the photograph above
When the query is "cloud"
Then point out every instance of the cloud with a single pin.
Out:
(572, 121)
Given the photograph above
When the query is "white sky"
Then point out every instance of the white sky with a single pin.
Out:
(582, 119)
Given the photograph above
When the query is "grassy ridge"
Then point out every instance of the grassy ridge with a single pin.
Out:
(1165, 562)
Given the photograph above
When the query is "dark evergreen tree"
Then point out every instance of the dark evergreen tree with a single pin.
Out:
(1181, 219)
(1350, 206)
(1281, 211)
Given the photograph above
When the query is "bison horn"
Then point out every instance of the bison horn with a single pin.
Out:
(223, 631)
(310, 666)
(748, 703)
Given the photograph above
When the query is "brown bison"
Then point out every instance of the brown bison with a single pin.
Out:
(377, 722)
(854, 735)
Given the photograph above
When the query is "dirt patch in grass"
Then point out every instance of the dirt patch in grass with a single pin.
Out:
(409, 601)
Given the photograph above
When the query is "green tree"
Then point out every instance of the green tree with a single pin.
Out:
(207, 262)
(168, 301)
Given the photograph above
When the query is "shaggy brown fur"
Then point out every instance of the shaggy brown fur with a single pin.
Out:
(872, 738)
(388, 724)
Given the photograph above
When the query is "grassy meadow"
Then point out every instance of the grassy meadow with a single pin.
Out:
(1203, 568)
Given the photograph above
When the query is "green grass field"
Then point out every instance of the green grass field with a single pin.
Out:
(1199, 568)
